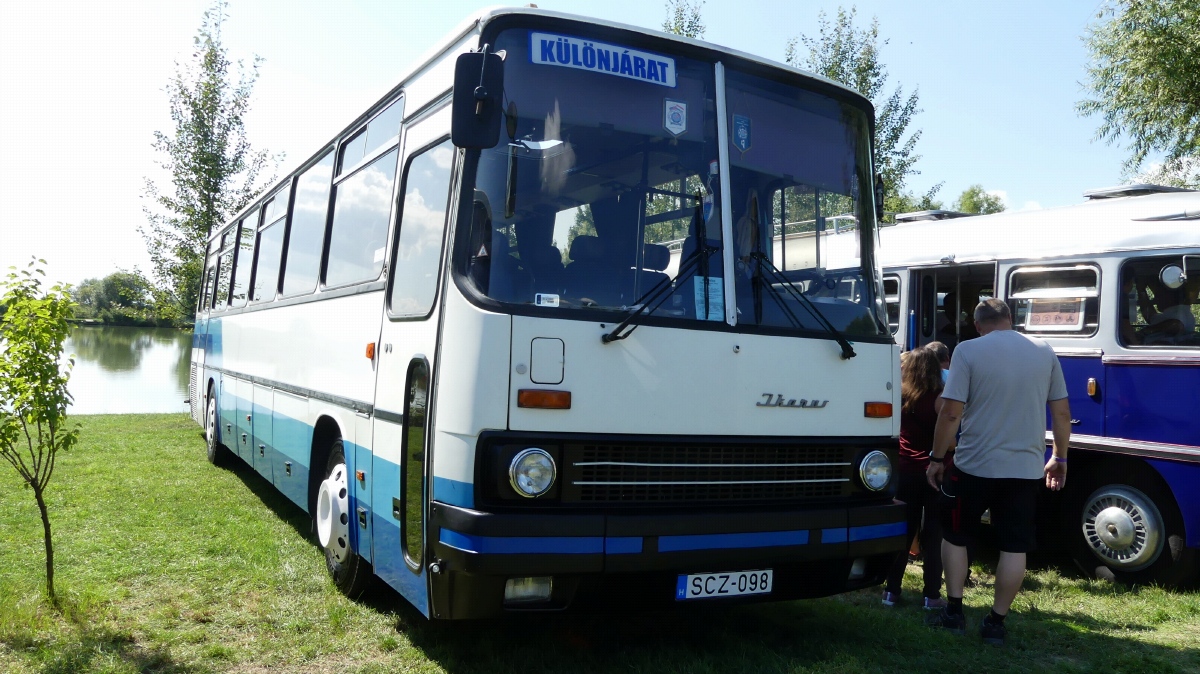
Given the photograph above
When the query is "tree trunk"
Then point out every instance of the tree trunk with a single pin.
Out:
(41, 501)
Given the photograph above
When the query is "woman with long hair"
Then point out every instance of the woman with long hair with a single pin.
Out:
(920, 401)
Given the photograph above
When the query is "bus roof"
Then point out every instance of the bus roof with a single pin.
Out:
(1097, 226)
(475, 23)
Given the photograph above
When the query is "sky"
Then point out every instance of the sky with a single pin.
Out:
(82, 91)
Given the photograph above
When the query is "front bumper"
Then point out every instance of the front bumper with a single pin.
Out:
(634, 560)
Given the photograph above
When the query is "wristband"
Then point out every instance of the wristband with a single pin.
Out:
(1060, 459)
(937, 459)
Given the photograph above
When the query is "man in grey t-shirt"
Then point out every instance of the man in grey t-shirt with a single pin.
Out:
(998, 390)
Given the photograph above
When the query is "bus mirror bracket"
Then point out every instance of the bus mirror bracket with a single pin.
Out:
(478, 89)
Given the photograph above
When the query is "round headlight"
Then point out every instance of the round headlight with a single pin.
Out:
(532, 472)
(875, 470)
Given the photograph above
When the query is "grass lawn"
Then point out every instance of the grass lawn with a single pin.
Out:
(167, 564)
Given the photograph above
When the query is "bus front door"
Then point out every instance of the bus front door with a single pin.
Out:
(405, 360)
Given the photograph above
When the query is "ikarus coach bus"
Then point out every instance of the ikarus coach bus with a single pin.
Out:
(458, 338)
(1113, 285)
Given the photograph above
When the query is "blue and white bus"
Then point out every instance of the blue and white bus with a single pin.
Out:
(1112, 285)
(451, 337)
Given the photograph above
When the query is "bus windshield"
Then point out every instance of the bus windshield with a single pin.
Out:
(604, 191)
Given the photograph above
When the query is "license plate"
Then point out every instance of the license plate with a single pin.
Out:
(729, 584)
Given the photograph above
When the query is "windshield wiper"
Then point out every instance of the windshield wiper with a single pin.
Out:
(697, 261)
(762, 262)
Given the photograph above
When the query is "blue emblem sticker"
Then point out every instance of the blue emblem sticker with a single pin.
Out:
(674, 116)
(741, 132)
(571, 52)
(708, 207)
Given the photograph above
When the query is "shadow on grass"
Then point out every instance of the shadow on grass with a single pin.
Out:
(99, 649)
(272, 498)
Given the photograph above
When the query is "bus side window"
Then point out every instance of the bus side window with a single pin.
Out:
(891, 296)
(245, 255)
(224, 273)
(270, 247)
(1153, 314)
(307, 232)
(1055, 301)
(422, 223)
(358, 234)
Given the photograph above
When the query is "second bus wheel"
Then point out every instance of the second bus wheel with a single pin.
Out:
(1131, 532)
(332, 518)
(218, 454)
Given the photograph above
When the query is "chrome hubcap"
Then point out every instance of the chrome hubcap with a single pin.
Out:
(1123, 528)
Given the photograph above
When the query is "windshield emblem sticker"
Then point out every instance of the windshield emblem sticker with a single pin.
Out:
(482, 251)
(545, 300)
(741, 133)
(674, 116)
(571, 52)
(714, 300)
(777, 400)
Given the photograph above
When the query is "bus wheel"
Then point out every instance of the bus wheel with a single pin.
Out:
(218, 454)
(332, 518)
(1135, 536)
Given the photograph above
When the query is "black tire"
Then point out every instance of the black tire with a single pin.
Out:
(218, 454)
(1099, 513)
(352, 573)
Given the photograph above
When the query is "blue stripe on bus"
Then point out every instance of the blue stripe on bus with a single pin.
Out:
(515, 545)
(873, 531)
(453, 492)
(622, 545)
(833, 535)
(765, 539)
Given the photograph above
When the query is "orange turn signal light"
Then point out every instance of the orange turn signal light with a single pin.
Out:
(544, 399)
(361, 475)
(878, 410)
(371, 351)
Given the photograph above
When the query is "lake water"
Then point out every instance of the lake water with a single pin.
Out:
(129, 370)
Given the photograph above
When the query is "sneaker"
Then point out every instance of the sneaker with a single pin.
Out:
(957, 624)
(992, 634)
(934, 604)
(891, 598)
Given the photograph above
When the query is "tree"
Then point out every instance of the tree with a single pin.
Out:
(975, 200)
(1144, 81)
(907, 202)
(683, 18)
(33, 386)
(121, 298)
(844, 53)
(214, 171)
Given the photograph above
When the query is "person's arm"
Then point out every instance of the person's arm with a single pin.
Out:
(1060, 426)
(943, 439)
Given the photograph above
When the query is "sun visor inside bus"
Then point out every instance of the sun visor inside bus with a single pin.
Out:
(811, 140)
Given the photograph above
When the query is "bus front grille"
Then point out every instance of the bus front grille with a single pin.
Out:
(597, 473)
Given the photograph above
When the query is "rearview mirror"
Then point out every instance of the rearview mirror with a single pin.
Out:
(478, 89)
(1172, 276)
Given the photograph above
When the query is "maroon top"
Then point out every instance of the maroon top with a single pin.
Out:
(916, 430)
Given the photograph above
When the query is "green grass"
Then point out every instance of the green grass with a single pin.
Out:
(167, 564)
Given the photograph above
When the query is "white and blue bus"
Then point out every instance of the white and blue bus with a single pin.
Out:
(1112, 285)
(455, 336)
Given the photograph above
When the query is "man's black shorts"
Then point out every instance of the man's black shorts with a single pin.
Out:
(1013, 503)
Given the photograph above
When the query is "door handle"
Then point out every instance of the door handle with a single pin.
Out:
(1076, 422)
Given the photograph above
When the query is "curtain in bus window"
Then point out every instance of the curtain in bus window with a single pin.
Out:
(361, 207)
(270, 245)
(426, 193)
(241, 276)
(308, 228)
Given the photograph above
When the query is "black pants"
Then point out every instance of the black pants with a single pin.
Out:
(921, 499)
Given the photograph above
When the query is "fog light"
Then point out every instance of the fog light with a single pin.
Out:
(528, 590)
(857, 570)
(531, 473)
(875, 470)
